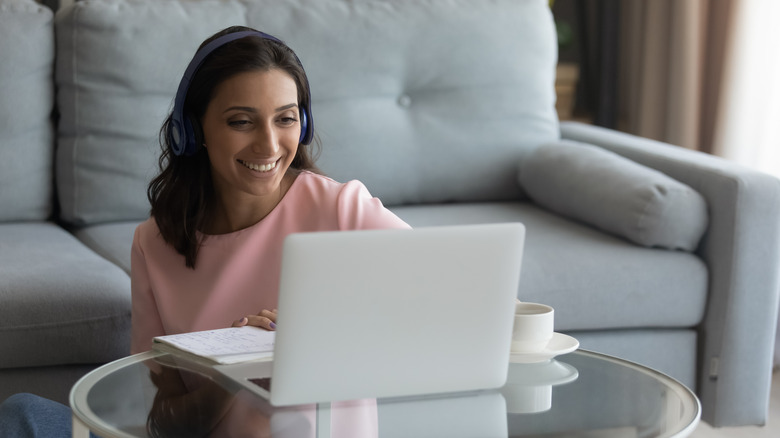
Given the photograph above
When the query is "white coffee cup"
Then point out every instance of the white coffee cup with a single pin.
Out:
(533, 327)
(527, 399)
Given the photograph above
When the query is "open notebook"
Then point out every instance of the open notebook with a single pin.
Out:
(221, 346)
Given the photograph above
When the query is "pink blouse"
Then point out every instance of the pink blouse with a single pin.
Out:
(237, 274)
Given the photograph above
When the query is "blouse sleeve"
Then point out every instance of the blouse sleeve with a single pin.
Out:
(146, 322)
(358, 210)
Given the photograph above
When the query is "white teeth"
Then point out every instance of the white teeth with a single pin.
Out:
(259, 167)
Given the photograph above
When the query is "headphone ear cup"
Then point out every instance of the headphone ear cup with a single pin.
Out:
(304, 127)
(175, 135)
(189, 139)
(196, 139)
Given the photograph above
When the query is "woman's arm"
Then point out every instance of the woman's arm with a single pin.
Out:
(358, 210)
(146, 322)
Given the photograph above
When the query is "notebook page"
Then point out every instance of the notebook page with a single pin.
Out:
(227, 345)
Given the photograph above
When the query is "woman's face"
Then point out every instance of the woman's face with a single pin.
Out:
(251, 130)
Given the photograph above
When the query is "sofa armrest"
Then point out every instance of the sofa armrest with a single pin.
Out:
(742, 252)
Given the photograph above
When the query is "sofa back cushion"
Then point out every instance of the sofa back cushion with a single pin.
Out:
(422, 100)
(26, 103)
(118, 65)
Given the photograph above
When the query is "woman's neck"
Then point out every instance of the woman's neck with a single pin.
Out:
(242, 211)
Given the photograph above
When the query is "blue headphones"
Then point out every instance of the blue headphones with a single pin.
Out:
(181, 134)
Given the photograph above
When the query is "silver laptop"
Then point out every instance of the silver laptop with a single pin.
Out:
(391, 313)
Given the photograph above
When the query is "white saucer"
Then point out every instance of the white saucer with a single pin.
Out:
(559, 344)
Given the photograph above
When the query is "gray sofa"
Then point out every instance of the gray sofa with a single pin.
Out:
(445, 110)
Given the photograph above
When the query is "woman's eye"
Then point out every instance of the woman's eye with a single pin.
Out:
(239, 123)
(288, 120)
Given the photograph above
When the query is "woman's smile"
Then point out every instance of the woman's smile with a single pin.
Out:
(263, 168)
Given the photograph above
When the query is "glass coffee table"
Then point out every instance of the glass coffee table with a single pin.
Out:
(583, 394)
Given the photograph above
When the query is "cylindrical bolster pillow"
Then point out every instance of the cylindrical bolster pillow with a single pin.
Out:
(615, 194)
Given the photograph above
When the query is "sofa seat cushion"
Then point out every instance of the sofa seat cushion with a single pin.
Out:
(593, 280)
(112, 241)
(61, 302)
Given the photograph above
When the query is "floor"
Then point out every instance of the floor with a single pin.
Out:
(772, 428)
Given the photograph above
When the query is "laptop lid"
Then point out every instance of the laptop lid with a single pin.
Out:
(387, 313)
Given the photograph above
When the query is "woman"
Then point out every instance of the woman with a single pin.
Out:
(210, 254)
(237, 176)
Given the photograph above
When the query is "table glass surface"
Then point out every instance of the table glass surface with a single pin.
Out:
(579, 394)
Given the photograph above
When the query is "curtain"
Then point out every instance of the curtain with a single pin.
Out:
(705, 75)
(673, 54)
(748, 130)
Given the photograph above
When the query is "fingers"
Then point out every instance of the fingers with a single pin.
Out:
(262, 322)
(240, 323)
(266, 319)
(270, 314)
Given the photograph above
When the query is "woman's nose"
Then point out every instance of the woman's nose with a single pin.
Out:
(265, 141)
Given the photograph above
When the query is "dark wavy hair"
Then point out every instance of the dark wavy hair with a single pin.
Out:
(182, 197)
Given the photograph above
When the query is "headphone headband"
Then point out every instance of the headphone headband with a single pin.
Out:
(181, 135)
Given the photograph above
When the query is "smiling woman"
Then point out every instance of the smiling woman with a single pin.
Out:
(236, 177)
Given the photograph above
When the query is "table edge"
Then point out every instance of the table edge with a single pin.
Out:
(77, 399)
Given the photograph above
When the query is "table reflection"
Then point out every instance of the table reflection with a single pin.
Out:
(192, 401)
(163, 395)
(528, 387)
(477, 414)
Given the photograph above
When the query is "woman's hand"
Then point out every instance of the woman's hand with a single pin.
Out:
(266, 319)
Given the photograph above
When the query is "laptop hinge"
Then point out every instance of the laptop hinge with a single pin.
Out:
(323, 420)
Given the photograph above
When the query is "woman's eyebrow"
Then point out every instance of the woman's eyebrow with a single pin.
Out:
(288, 106)
(250, 109)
